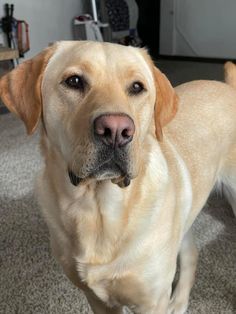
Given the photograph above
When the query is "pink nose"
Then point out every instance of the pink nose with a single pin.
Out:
(114, 129)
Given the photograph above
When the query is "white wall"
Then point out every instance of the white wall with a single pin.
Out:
(204, 28)
(49, 20)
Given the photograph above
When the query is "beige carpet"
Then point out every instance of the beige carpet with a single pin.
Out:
(30, 279)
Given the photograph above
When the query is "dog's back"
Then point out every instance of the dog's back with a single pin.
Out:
(206, 125)
(229, 176)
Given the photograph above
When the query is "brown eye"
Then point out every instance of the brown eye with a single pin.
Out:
(76, 82)
(136, 88)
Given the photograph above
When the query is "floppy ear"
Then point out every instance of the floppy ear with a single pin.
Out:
(166, 102)
(20, 89)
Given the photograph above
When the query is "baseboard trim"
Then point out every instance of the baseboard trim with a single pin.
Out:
(195, 59)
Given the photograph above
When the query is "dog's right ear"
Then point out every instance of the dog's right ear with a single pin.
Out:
(166, 104)
(20, 89)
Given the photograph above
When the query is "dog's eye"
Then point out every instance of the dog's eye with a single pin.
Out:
(76, 82)
(136, 88)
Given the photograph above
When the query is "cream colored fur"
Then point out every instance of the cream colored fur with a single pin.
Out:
(120, 245)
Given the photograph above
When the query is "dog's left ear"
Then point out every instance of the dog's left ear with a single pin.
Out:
(20, 89)
(166, 102)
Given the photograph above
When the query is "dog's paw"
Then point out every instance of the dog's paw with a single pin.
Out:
(177, 305)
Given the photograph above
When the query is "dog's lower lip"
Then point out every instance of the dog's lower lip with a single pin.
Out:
(122, 182)
(126, 181)
(74, 179)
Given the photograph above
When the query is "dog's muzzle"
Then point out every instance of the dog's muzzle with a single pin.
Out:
(112, 133)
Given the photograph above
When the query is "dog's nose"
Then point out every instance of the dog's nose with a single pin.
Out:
(114, 129)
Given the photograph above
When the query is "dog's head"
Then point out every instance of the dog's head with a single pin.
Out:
(97, 102)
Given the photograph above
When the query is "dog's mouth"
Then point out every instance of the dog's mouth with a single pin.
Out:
(111, 169)
(121, 181)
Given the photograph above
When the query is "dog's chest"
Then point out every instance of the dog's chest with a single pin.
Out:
(105, 261)
(94, 223)
(104, 246)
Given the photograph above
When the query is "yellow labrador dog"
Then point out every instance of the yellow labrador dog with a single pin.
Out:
(129, 163)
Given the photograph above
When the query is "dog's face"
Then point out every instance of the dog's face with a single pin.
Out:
(97, 102)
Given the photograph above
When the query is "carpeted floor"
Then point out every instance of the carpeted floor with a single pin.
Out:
(30, 279)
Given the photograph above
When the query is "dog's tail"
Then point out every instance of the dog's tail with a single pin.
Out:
(230, 73)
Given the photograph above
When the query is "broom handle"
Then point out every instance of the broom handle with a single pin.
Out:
(94, 9)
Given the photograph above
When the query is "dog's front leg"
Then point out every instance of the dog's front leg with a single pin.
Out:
(188, 256)
(99, 307)
(153, 307)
